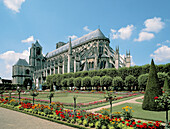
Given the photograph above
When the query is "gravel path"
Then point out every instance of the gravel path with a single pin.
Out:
(119, 103)
(16, 120)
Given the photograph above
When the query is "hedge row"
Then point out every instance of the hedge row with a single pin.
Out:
(133, 76)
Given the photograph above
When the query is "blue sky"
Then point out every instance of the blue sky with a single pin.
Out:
(143, 27)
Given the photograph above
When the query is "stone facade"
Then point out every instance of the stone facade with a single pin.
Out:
(89, 52)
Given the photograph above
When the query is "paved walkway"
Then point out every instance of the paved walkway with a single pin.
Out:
(119, 103)
(16, 120)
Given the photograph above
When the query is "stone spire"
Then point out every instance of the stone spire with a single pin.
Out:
(70, 47)
(128, 60)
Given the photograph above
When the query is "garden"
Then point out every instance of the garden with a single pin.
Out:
(74, 97)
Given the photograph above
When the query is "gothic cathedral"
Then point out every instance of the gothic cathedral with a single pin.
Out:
(89, 52)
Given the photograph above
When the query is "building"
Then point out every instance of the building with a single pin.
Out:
(89, 52)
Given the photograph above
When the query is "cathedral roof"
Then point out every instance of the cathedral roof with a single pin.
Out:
(97, 34)
(22, 62)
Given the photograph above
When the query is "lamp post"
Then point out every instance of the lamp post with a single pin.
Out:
(110, 98)
(74, 98)
(50, 97)
(19, 92)
(33, 93)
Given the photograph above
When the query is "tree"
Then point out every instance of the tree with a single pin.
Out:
(117, 83)
(70, 83)
(105, 81)
(56, 79)
(130, 81)
(95, 81)
(152, 89)
(86, 82)
(50, 82)
(161, 77)
(142, 81)
(64, 83)
(166, 86)
(77, 82)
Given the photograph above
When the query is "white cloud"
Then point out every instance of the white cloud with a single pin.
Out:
(158, 44)
(153, 25)
(167, 41)
(144, 36)
(73, 37)
(14, 5)
(9, 58)
(123, 33)
(87, 29)
(162, 54)
(28, 40)
(132, 61)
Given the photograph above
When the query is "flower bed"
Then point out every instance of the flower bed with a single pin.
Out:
(80, 117)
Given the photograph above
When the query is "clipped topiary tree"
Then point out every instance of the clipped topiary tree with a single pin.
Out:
(50, 82)
(117, 83)
(64, 83)
(152, 89)
(142, 81)
(95, 82)
(130, 82)
(77, 82)
(70, 83)
(166, 86)
(105, 81)
(86, 82)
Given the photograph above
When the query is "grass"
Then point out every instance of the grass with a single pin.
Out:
(68, 97)
(139, 100)
(142, 114)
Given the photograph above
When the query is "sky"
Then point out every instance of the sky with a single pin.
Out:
(141, 26)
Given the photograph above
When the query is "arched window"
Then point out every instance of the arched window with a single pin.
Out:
(92, 64)
(27, 71)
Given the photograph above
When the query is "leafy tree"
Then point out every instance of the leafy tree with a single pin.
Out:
(161, 77)
(92, 73)
(56, 79)
(70, 83)
(105, 81)
(50, 82)
(166, 86)
(95, 81)
(130, 81)
(77, 82)
(123, 72)
(112, 72)
(117, 83)
(64, 83)
(152, 89)
(84, 74)
(86, 82)
(142, 81)
(145, 69)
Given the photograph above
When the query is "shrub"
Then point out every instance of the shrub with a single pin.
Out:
(112, 72)
(77, 82)
(95, 81)
(105, 81)
(142, 81)
(70, 83)
(166, 86)
(92, 73)
(117, 83)
(86, 82)
(50, 82)
(161, 77)
(130, 81)
(64, 83)
(57, 80)
(84, 74)
(152, 89)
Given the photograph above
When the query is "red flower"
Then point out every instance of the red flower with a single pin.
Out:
(139, 121)
(156, 97)
(127, 124)
(131, 125)
(123, 122)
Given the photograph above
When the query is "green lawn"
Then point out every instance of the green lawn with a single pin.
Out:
(68, 97)
(143, 114)
(139, 100)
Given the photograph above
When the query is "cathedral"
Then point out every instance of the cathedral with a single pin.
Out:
(89, 52)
